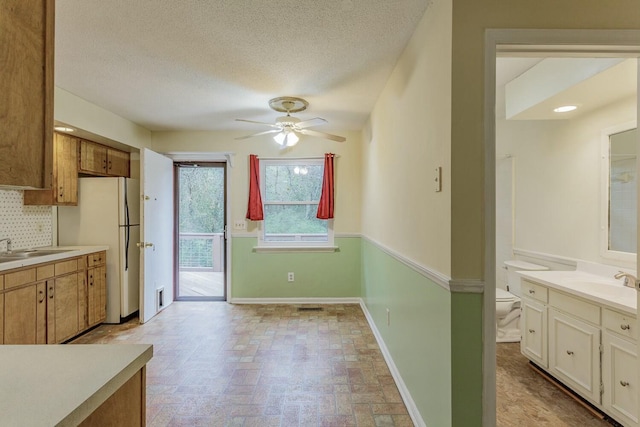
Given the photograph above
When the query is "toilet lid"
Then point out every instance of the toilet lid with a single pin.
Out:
(502, 295)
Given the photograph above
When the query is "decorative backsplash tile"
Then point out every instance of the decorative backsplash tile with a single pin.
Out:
(26, 226)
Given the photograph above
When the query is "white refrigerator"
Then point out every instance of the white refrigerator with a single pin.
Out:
(108, 213)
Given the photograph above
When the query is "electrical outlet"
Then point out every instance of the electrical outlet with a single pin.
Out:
(40, 227)
(438, 179)
(290, 277)
(239, 224)
(388, 317)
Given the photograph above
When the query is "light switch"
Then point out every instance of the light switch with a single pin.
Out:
(239, 224)
(438, 179)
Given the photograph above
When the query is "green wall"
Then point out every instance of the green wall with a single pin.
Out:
(419, 334)
(317, 274)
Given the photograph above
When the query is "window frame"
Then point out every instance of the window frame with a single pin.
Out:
(263, 244)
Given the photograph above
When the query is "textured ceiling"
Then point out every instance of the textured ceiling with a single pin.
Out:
(198, 64)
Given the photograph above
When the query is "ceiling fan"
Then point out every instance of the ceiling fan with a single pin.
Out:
(286, 128)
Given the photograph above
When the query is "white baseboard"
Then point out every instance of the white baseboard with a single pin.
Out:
(402, 388)
(349, 300)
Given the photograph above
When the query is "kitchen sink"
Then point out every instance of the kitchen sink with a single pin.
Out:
(28, 253)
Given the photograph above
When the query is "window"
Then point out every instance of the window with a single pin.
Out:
(290, 193)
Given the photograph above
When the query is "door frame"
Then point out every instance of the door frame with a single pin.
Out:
(176, 216)
(215, 157)
(603, 42)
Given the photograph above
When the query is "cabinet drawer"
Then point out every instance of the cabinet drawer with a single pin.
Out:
(45, 271)
(65, 267)
(97, 258)
(18, 278)
(534, 290)
(574, 306)
(622, 324)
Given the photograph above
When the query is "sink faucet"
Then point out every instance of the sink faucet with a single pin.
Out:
(629, 279)
(8, 240)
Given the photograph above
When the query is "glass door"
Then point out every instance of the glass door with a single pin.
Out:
(200, 221)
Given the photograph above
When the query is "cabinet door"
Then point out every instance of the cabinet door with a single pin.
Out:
(93, 158)
(65, 170)
(65, 309)
(117, 163)
(534, 332)
(97, 292)
(574, 354)
(26, 85)
(24, 315)
(620, 379)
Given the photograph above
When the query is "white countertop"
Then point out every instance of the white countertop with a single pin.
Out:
(60, 385)
(69, 252)
(597, 288)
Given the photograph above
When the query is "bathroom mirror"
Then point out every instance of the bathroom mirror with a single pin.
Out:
(622, 183)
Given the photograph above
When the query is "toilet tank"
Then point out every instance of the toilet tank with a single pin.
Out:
(513, 279)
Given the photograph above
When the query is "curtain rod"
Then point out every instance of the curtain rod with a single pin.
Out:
(296, 158)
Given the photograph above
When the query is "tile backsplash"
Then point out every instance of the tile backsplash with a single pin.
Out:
(26, 226)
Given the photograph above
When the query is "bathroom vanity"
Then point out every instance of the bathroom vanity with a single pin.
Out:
(580, 327)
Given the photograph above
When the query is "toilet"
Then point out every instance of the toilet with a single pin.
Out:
(508, 302)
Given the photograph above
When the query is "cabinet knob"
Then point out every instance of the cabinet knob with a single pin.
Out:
(625, 327)
(570, 353)
(624, 383)
(41, 300)
(532, 291)
(531, 331)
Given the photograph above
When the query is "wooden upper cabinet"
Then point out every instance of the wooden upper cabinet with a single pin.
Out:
(26, 85)
(64, 189)
(97, 159)
(93, 158)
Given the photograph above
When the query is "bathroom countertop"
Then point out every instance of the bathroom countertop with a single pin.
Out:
(65, 252)
(62, 385)
(600, 289)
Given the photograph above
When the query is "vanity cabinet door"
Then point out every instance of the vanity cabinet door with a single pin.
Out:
(534, 332)
(574, 354)
(620, 379)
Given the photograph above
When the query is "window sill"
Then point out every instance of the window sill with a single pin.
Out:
(295, 248)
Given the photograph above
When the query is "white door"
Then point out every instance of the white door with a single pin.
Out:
(156, 233)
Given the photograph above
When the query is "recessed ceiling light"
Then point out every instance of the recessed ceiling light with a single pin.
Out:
(63, 129)
(565, 108)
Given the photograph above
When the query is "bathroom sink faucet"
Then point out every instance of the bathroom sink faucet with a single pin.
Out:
(8, 240)
(629, 279)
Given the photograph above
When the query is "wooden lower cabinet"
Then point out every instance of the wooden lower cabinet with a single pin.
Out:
(63, 307)
(96, 295)
(51, 303)
(25, 315)
(126, 407)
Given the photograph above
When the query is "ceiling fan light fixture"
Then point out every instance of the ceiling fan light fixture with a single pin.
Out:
(279, 138)
(292, 139)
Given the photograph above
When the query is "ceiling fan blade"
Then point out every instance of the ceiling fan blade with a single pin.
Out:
(260, 123)
(323, 135)
(316, 121)
(259, 133)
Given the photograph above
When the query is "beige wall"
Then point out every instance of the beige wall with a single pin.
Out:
(98, 124)
(347, 166)
(470, 20)
(407, 138)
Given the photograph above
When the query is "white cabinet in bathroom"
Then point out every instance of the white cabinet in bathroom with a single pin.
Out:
(534, 331)
(533, 322)
(620, 367)
(574, 353)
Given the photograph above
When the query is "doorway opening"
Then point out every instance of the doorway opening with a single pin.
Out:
(519, 141)
(200, 218)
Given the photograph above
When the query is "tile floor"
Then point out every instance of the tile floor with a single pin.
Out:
(526, 399)
(217, 364)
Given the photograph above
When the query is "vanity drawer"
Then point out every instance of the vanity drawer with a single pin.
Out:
(534, 290)
(622, 324)
(97, 258)
(574, 306)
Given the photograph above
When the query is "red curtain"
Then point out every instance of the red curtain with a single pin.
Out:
(254, 209)
(325, 206)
